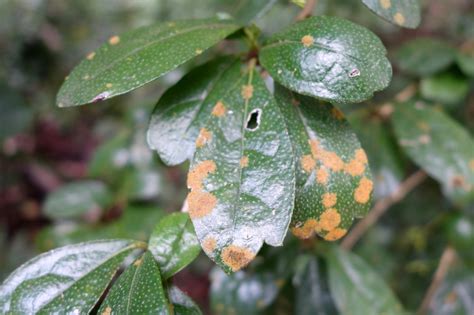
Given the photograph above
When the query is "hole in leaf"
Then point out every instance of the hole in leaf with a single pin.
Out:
(253, 120)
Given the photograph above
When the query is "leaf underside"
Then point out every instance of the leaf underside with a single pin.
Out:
(404, 13)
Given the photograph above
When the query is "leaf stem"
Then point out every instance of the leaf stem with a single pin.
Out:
(307, 10)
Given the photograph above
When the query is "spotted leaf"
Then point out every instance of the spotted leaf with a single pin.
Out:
(405, 13)
(138, 290)
(438, 145)
(182, 304)
(69, 279)
(333, 179)
(184, 109)
(135, 58)
(241, 179)
(329, 58)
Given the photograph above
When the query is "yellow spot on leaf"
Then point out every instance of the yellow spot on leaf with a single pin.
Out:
(423, 126)
(335, 234)
(356, 166)
(90, 56)
(322, 176)
(385, 4)
(336, 113)
(330, 219)
(200, 203)
(308, 163)
(236, 257)
(199, 172)
(247, 91)
(209, 244)
(114, 40)
(204, 137)
(399, 18)
(329, 199)
(198, 51)
(244, 161)
(86, 77)
(306, 230)
(138, 262)
(219, 109)
(307, 40)
(361, 156)
(363, 191)
(107, 311)
(108, 85)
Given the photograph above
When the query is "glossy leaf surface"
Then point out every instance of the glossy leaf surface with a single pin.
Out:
(405, 13)
(424, 56)
(333, 180)
(182, 304)
(445, 88)
(65, 280)
(77, 198)
(356, 288)
(439, 145)
(241, 179)
(174, 244)
(137, 57)
(184, 109)
(138, 290)
(328, 58)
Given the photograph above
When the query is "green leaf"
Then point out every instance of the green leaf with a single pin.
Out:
(242, 293)
(424, 56)
(465, 61)
(333, 180)
(247, 11)
(445, 88)
(110, 157)
(69, 279)
(329, 58)
(16, 116)
(439, 145)
(137, 57)
(138, 290)
(242, 175)
(184, 109)
(356, 288)
(77, 198)
(182, 304)
(460, 233)
(173, 243)
(405, 13)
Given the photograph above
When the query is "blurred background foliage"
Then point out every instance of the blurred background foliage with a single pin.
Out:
(83, 173)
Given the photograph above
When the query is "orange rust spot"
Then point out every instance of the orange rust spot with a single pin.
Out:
(108, 85)
(322, 176)
(90, 56)
(424, 139)
(337, 113)
(209, 244)
(361, 156)
(138, 262)
(107, 311)
(244, 161)
(354, 168)
(335, 234)
(307, 40)
(399, 18)
(114, 40)
(330, 219)
(363, 191)
(308, 163)
(314, 145)
(247, 91)
(331, 160)
(236, 257)
(385, 4)
(200, 203)
(199, 172)
(329, 200)
(204, 137)
(218, 110)
(306, 230)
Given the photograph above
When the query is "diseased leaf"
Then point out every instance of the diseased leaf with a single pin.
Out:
(77, 198)
(137, 57)
(247, 11)
(184, 109)
(356, 288)
(242, 176)
(333, 180)
(438, 145)
(69, 279)
(173, 243)
(445, 88)
(182, 304)
(138, 290)
(405, 13)
(242, 293)
(328, 58)
(424, 56)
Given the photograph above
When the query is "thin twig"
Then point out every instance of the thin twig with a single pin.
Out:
(380, 207)
(307, 10)
(447, 259)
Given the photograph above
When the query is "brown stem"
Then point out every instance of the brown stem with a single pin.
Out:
(307, 10)
(381, 207)
(447, 259)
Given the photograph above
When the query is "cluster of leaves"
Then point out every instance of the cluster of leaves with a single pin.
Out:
(270, 151)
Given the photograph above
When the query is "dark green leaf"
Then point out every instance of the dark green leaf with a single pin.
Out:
(465, 61)
(242, 293)
(174, 244)
(333, 180)
(242, 175)
(247, 11)
(356, 288)
(424, 56)
(184, 109)
(460, 233)
(138, 290)
(69, 279)
(15, 117)
(137, 57)
(405, 13)
(329, 58)
(77, 198)
(110, 157)
(445, 88)
(182, 304)
(439, 145)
